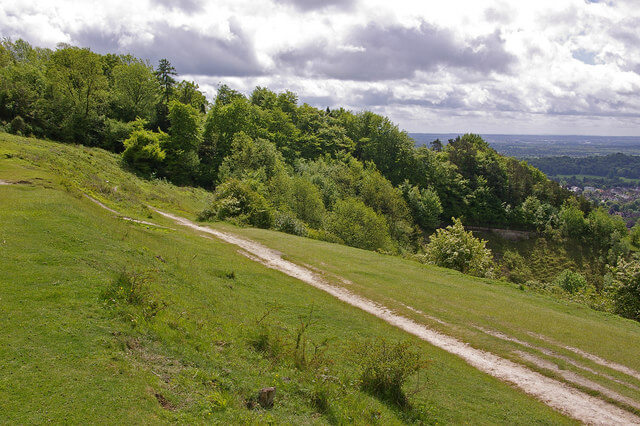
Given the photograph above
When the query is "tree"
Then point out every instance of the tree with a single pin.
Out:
(455, 248)
(188, 93)
(626, 287)
(143, 151)
(165, 73)
(572, 222)
(135, 90)
(359, 226)
(183, 142)
(306, 202)
(424, 204)
(436, 145)
(258, 158)
(78, 91)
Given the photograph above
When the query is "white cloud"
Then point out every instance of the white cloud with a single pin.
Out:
(569, 66)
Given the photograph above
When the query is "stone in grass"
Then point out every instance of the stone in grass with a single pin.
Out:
(265, 397)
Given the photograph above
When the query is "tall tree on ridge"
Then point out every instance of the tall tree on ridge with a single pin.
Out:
(164, 73)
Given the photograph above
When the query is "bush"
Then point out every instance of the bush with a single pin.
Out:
(386, 367)
(424, 204)
(258, 157)
(286, 222)
(572, 222)
(514, 267)
(236, 199)
(570, 281)
(634, 235)
(131, 288)
(143, 153)
(116, 132)
(358, 225)
(17, 126)
(455, 248)
(626, 287)
(306, 202)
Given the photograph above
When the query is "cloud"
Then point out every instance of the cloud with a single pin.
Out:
(375, 52)
(190, 51)
(311, 5)
(187, 6)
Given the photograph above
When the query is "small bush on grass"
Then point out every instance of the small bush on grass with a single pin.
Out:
(570, 281)
(386, 367)
(455, 248)
(237, 200)
(132, 289)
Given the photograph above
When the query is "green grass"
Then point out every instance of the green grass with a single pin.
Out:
(69, 357)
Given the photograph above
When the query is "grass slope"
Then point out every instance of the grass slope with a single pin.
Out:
(68, 358)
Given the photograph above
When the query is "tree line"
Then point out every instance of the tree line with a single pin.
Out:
(609, 166)
(272, 162)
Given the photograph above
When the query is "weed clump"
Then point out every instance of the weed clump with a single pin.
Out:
(132, 289)
(386, 367)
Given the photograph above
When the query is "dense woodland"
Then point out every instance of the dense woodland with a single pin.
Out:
(336, 175)
(607, 166)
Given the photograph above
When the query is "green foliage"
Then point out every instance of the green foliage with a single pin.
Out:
(135, 90)
(132, 288)
(116, 132)
(626, 287)
(143, 151)
(306, 202)
(17, 125)
(514, 267)
(249, 157)
(183, 142)
(424, 204)
(386, 367)
(455, 248)
(358, 225)
(236, 199)
(78, 91)
(570, 281)
(287, 222)
(634, 235)
(572, 221)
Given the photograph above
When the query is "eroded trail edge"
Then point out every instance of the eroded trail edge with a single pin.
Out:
(560, 396)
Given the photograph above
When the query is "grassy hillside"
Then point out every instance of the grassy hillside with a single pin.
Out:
(190, 349)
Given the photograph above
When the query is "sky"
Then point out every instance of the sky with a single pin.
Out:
(482, 66)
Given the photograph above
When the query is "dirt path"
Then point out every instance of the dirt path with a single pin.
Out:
(130, 219)
(564, 398)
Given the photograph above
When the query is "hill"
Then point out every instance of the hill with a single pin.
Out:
(112, 319)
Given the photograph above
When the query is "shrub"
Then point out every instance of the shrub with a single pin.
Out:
(143, 152)
(626, 287)
(455, 248)
(424, 204)
(116, 132)
(17, 125)
(131, 288)
(386, 367)
(634, 235)
(570, 281)
(236, 199)
(572, 222)
(286, 222)
(514, 267)
(306, 202)
(259, 157)
(358, 225)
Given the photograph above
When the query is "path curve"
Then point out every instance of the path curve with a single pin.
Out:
(572, 402)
